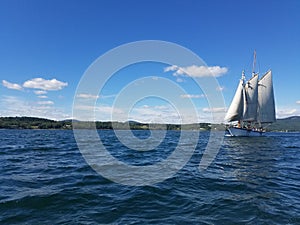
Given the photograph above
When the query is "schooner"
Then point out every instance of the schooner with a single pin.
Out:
(253, 105)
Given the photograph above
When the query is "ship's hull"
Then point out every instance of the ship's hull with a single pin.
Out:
(242, 132)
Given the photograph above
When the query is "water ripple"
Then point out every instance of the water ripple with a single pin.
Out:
(45, 180)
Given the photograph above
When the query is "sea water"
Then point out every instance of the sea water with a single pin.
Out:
(44, 179)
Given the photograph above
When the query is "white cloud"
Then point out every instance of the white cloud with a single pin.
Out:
(40, 92)
(46, 85)
(170, 68)
(87, 96)
(220, 88)
(45, 102)
(168, 114)
(161, 107)
(197, 71)
(90, 96)
(287, 112)
(217, 115)
(107, 96)
(42, 96)
(192, 96)
(16, 106)
(298, 102)
(108, 109)
(144, 113)
(154, 114)
(179, 80)
(214, 110)
(11, 85)
(99, 112)
(162, 113)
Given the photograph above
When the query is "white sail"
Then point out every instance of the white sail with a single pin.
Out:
(266, 103)
(250, 99)
(235, 111)
(253, 104)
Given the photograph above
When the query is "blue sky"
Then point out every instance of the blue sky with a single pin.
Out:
(46, 46)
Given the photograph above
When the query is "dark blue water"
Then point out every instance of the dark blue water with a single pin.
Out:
(45, 180)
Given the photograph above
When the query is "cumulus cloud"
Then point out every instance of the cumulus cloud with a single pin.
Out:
(179, 80)
(287, 112)
(11, 85)
(145, 113)
(298, 102)
(162, 113)
(155, 114)
(171, 68)
(42, 96)
(37, 83)
(16, 106)
(45, 102)
(197, 71)
(217, 114)
(40, 92)
(168, 114)
(87, 96)
(220, 88)
(214, 110)
(192, 96)
(99, 112)
(90, 96)
(46, 85)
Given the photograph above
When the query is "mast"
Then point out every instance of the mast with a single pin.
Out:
(254, 63)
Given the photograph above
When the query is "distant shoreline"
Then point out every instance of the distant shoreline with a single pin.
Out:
(34, 123)
(290, 124)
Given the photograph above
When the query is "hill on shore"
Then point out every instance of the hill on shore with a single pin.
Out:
(289, 124)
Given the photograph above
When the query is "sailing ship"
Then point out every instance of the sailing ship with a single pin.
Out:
(253, 107)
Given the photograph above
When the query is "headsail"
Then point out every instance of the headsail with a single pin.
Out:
(235, 111)
(250, 99)
(266, 103)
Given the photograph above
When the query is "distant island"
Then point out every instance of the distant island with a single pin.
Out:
(290, 124)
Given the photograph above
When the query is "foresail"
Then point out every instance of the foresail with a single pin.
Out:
(235, 111)
(266, 103)
(250, 99)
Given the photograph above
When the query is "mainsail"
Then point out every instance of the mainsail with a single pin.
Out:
(266, 103)
(250, 99)
(253, 101)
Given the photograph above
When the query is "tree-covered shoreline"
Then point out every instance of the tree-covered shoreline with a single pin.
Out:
(289, 124)
(42, 123)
